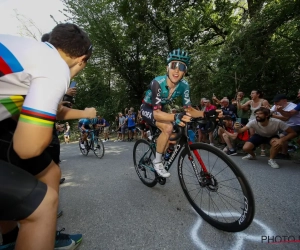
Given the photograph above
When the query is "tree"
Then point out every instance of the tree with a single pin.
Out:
(28, 27)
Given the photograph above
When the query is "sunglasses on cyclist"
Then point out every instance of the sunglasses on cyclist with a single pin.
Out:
(181, 66)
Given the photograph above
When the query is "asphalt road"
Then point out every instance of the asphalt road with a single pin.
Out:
(105, 201)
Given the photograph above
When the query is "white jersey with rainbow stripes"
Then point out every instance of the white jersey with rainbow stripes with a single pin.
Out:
(33, 79)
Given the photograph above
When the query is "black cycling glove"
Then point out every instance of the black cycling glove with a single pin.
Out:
(178, 117)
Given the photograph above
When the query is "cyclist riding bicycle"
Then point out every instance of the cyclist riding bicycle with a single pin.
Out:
(163, 90)
(84, 125)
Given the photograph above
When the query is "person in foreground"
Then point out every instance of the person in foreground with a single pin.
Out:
(163, 90)
(34, 76)
(266, 132)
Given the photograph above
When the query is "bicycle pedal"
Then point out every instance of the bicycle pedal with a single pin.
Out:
(161, 180)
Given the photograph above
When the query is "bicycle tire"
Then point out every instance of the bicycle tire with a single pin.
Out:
(240, 202)
(99, 149)
(83, 151)
(143, 162)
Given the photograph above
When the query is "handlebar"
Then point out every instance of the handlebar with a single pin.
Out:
(209, 120)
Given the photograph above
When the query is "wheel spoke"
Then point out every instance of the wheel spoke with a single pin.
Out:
(221, 195)
(143, 154)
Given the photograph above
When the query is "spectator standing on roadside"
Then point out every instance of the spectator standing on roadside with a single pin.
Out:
(242, 113)
(130, 119)
(105, 125)
(67, 133)
(122, 125)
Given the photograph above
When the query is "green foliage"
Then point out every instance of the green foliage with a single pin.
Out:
(239, 44)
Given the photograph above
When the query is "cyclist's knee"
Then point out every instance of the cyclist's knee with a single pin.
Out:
(48, 206)
(167, 128)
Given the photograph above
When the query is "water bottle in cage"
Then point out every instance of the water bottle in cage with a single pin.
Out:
(169, 152)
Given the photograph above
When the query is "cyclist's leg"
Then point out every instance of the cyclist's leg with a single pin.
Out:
(161, 145)
(30, 202)
(83, 138)
(162, 140)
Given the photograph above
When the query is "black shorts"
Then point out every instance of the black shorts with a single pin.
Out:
(131, 128)
(54, 151)
(143, 126)
(33, 165)
(20, 192)
(257, 140)
(147, 114)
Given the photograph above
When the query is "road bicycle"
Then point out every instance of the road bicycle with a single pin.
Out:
(94, 144)
(212, 183)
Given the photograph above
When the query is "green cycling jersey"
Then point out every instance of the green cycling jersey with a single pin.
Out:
(158, 92)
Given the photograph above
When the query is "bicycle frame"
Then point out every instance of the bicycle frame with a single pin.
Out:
(183, 142)
(90, 137)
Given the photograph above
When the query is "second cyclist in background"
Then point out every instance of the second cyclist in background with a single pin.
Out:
(84, 125)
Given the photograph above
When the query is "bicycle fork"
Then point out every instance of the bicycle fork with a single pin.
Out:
(203, 177)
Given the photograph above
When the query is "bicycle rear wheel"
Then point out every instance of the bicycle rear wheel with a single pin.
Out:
(98, 147)
(221, 196)
(143, 154)
(83, 151)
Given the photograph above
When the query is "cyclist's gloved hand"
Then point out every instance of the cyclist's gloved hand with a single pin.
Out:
(209, 114)
(178, 117)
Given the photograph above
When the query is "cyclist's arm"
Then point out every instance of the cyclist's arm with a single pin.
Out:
(34, 129)
(158, 114)
(194, 112)
(186, 102)
(65, 113)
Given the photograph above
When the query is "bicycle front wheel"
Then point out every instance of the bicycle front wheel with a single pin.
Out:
(143, 155)
(98, 147)
(84, 151)
(222, 195)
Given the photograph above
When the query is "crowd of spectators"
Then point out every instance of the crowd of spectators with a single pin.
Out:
(255, 122)
(126, 125)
